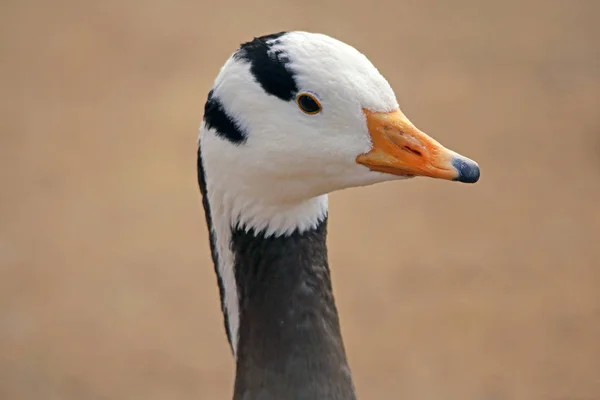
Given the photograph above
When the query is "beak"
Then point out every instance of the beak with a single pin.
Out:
(400, 148)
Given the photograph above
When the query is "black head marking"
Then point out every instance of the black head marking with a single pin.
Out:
(225, 126)
(269, 68)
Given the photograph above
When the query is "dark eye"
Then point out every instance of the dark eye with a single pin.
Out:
(308, 103)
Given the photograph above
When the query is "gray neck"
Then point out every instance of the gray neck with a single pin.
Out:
(290, 345)
(289, 341)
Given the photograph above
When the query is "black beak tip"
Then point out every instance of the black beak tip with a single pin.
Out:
(468, 171)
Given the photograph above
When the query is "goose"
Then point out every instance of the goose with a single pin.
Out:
(291, 117)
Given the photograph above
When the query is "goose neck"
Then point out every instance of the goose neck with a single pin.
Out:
(289, 340)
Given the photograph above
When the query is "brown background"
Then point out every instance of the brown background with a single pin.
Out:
(446, 291)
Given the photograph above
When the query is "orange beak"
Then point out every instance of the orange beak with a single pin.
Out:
(400, 148)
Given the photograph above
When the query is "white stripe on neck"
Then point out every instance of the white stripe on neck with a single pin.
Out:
(230, 212)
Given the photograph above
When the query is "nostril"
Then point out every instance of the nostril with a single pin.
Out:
(413, 151)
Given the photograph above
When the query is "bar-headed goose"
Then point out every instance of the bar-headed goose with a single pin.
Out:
(291, 117)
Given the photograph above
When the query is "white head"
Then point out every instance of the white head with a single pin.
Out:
(292, 117)
(296, 115)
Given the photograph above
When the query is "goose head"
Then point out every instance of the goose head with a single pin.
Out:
(291, 117)
(294, 116)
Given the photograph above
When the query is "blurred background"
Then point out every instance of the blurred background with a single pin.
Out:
(445, 291)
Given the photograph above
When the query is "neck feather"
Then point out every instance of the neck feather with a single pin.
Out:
(290, 345)
(279, 309)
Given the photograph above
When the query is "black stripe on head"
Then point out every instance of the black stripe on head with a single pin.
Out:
(225, 126)
(269, 68)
